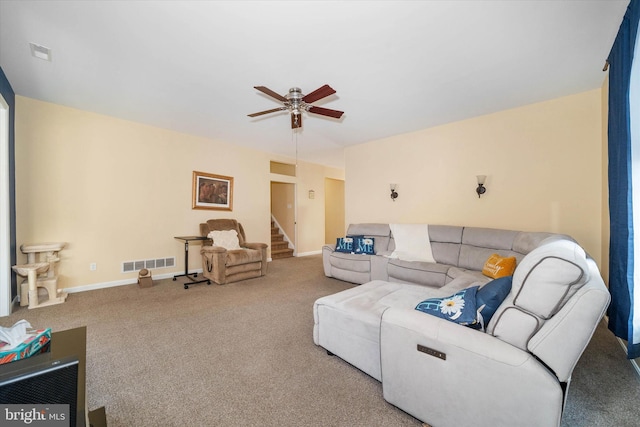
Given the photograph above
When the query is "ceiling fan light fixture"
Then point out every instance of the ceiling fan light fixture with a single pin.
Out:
(296, 102)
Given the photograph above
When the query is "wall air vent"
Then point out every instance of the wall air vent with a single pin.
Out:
(132, 266)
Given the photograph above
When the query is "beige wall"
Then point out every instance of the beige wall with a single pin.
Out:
(543, 164)
(118, 191)
(334, 210)
(312, 210)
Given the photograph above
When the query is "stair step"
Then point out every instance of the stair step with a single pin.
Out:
(279, 245)
(281, 253)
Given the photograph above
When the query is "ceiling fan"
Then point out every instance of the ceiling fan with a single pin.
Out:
(296, 102)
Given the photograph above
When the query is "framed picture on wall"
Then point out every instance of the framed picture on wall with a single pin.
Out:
(212, 191)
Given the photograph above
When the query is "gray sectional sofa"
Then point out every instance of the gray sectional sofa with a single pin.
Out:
(457, 250)
(515, 372)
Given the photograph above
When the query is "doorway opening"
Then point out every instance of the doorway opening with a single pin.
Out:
(283, 220)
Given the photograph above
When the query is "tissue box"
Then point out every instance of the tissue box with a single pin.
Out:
(35, 344)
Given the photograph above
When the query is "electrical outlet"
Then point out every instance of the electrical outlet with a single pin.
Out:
(93, 266)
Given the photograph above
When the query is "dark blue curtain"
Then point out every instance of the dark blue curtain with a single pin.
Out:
(621, 253)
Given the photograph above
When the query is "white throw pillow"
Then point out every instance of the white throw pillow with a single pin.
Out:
(228, 239)
(412, 242)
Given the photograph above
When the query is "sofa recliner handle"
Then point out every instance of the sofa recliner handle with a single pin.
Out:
(432, 352)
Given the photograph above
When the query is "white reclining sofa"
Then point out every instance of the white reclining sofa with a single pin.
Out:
(455, 250)
(515, 373)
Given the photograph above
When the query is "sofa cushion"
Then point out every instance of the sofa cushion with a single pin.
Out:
(420, 273)
(488, 238)
(445, 253)
(478, 244)
(348, 323)
(353, 262)
(369, 230)
(243, 256)
(527, 241)
(380, 232)
(548, 276)
(455, 272)
(497, 266)
(445, 233)
(542, 283)
(459, 307)
(223, 224)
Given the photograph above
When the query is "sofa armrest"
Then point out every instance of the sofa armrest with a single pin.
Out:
(213, 263)
(479, 378)
(262, 247)
(327, 250)
(256, 246)
(213, 249)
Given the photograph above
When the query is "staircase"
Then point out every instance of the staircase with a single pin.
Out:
(279, 247)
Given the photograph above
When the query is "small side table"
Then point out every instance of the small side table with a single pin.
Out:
(186, 274)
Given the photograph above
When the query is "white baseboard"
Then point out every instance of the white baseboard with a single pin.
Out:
(123, 282)
(309, 253)
(131, 281)
(634, 363)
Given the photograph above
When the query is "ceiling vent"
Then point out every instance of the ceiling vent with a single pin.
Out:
(40, 52)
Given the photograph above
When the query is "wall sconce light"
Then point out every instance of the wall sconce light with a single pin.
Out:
(312, 194)
(481, 188)
(394, 195)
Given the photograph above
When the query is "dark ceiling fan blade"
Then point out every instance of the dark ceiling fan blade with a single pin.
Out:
(267, 111)
(271, 93)
(296, 121)
(326, 112)
(319, 93)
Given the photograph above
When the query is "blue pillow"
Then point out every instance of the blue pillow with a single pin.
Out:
(459, 307)
(363, 245)
(344, 245)
(490, 296)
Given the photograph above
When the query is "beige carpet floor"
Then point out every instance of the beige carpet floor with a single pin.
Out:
(242, 354)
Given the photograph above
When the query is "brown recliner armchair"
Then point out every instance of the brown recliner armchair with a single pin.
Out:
(228, 264)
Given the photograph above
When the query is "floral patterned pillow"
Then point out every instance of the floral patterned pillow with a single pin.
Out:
(364, 245)
(459, 307)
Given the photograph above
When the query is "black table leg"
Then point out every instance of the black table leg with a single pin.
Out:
(186, 269)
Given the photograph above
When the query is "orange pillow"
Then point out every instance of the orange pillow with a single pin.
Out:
(498, 266)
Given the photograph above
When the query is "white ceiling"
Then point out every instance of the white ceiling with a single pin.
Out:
(397, 66)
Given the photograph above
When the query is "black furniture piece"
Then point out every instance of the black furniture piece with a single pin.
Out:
(186, 274)
(69, 345)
